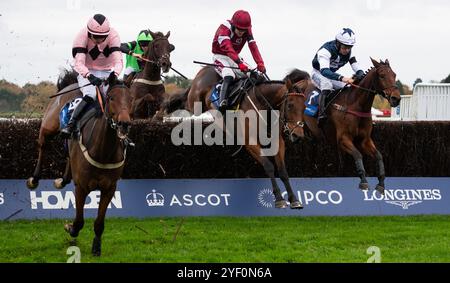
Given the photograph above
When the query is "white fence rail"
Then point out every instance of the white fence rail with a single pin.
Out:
(429, 102)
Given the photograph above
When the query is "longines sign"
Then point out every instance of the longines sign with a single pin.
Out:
(233, 197)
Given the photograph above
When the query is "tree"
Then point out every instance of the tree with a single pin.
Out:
(178, 80)
(417, 81)
(446, 80)
(37, 96)
(404, 89)
(11, 96)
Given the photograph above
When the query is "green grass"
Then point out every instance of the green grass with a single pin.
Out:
(228, 239)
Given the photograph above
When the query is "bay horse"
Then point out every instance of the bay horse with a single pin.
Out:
(50, 127)
(264, 95)
(147, 88)
(349, 123)
(97, 158)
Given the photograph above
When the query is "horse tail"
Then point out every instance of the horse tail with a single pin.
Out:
(176, 101)
(66, 78)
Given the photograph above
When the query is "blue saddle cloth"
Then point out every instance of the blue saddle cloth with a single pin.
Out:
(66, 112)
(312, 103)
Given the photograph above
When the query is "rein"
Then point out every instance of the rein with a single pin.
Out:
(114, 125)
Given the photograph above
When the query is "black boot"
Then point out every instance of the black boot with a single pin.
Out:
(76, 115)
(223, 100)
(322, 111)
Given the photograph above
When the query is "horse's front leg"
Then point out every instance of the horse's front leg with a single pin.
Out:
(80, 199)
(369, 148)
(347, 145)
(281, 166)
(269, 168)
(99, 224)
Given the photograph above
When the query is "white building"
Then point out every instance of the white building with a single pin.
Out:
(429, 102)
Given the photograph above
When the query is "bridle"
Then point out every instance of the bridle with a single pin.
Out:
(284, 120)
(297, 124)
(154, 60)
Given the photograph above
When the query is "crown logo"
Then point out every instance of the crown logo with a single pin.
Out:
(155, 199)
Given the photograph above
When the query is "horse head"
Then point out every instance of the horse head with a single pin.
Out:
(294, 104)
(385, 83)
(118, 108)
(159, 49)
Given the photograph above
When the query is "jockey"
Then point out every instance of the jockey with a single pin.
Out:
(228, 42)
(331, 57)
(134, 50)
(96, 52)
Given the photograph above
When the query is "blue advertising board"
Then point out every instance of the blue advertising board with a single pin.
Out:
(230, 197)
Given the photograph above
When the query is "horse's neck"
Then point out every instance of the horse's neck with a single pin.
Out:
(151, 72)
(359, 99)
(104, 145)
(272, 93)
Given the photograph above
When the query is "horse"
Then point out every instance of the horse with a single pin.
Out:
(147, 88)
(349, 124)
(49, 128)
(97, 158)
(262, 95)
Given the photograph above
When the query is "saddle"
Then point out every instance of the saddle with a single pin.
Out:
(237, 91)
(312, 101)
(93, 110)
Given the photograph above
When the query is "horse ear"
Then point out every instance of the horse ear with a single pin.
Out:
(374, 62)
(386, 62)
(152, 33)
(289, 85)
(168, 34)
(171, 47)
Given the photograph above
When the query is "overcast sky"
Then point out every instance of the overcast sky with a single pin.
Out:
(36, 36)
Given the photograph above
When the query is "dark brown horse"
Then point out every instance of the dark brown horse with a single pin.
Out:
(97, 158)
(266, 95)
(349, 122)
(50, 127)
(147, 88)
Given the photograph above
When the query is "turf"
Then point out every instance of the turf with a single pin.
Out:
(228, 239)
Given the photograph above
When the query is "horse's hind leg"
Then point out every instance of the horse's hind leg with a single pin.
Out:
(33, 181)
(279, 160)
(369, 148)
(269, 168)
(80, 199)
(67, 177)
(99, 224)
(347, 145)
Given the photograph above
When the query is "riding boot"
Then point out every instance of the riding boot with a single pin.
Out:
(76, 115)
(223, 99)
(322, 111)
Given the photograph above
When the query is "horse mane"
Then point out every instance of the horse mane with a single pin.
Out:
(296, 75)
(158, 34)
(66, 78)
(269, 82)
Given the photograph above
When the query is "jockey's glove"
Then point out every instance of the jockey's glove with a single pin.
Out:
(94, 80)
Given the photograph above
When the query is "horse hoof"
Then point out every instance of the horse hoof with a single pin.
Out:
(364, 186)
(69, 229)
(96, 247)
(280, 204)
(32, 183)
(380, 189)
(296, 205)
(59, 183)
